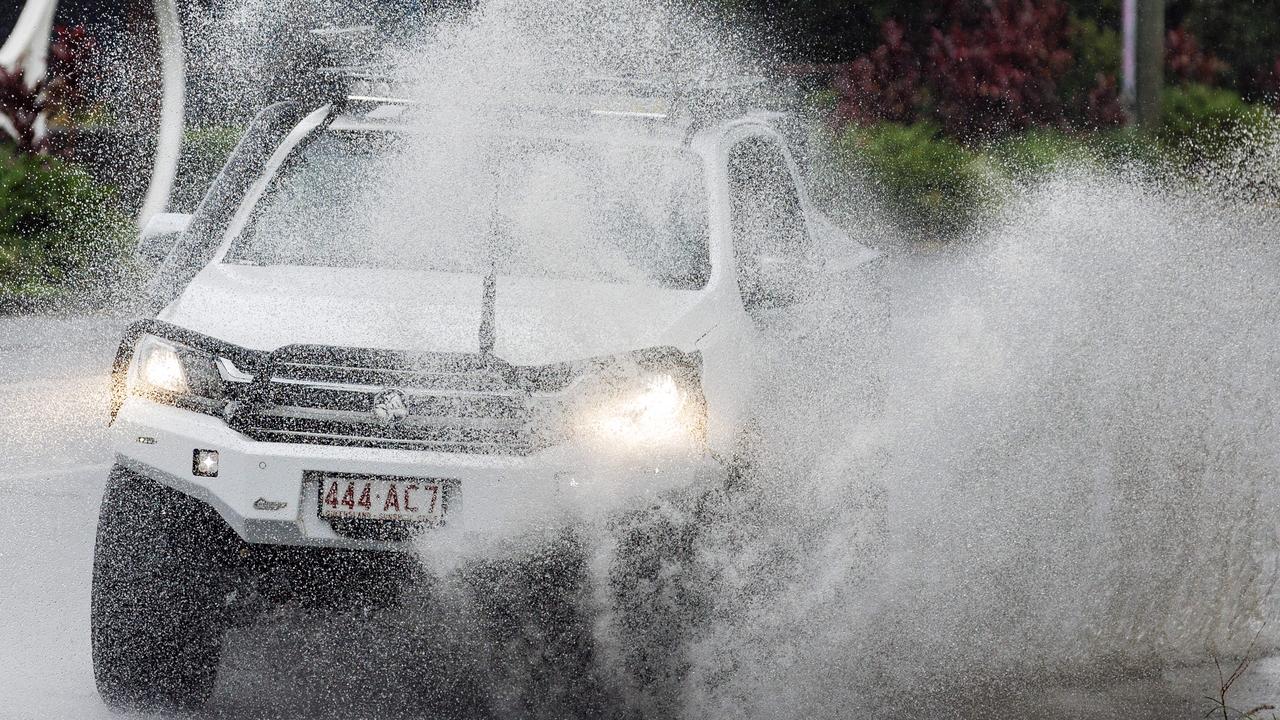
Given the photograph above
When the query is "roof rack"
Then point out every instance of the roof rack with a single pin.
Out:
(687, 102)
(681, 98)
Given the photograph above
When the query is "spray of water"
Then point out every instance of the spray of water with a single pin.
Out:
(1059, 460)
(1080, 435)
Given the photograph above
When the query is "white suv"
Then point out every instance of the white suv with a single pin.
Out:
(329, 391)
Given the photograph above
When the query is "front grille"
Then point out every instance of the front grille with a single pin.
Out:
(454, 403)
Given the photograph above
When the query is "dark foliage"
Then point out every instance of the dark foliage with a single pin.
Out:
(56, 223)
(1101, 107)
(1244, 35)
(70, 54)
(1000, 70)
(824, 31)
(22, 105)
(1238, 35)
(1270, 83)
(1187, 62)
(983, 70)
(883, 84)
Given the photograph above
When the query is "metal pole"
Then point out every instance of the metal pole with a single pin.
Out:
(1142, 66)
(1129, 57)
(172, 112)
(27, 47)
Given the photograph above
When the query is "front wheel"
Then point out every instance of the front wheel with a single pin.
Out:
(158, 584)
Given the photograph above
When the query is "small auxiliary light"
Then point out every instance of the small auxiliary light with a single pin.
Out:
(204, 463)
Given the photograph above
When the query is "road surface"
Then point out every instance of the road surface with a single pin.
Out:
(53, 462)
(53, 459)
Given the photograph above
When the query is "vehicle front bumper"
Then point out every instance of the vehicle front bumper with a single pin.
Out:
(269, 492)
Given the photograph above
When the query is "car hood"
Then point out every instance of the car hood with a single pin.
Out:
(536, 321)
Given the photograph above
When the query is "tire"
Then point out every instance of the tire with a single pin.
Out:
(158, 585)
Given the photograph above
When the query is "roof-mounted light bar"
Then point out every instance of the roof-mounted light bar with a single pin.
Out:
(631, 114)
(368, 85)
(380, 100)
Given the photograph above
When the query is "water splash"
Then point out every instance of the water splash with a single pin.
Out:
(1081, 440)
(1064, 465)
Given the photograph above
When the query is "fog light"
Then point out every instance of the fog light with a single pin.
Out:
(204, 463)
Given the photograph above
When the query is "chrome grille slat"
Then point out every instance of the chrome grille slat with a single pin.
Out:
(364, 420)
(265, 435)
(455, 404)
(374, 389)
(434, 405)
(478, 378)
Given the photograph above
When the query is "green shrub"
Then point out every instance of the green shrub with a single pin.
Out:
(57, 225)
(933, 184)
(1037, 151)
(1128, 147)
(1202, 123)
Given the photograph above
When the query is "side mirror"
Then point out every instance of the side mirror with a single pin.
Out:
(777, 282)
(158, 238)
(845, 254)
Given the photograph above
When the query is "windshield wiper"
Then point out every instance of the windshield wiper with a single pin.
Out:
(498, 233)
(488, 333)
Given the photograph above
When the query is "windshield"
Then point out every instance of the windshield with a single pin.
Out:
(538, 207)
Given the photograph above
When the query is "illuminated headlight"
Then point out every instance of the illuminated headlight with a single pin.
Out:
(164, 369)
(159, 367)
(652, 409)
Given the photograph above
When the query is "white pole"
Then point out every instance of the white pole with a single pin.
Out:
(1143, 60)
(28, 45)
(1129, 57)
(172, 112)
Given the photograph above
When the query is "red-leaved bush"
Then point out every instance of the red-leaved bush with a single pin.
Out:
(883, 84)
(69, 56)
(22, 107)
(1101, 107)
(978, 69)
(1001, 72)
(1185, 61)
(1275, 87)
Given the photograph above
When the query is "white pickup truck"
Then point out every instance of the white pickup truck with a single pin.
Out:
(362, 356)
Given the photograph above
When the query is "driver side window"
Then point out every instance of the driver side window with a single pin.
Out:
(768, 220)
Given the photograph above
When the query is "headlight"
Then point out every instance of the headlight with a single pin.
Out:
(163, 369)
(646, 410)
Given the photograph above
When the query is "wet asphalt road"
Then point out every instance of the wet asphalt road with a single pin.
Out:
(54, 458)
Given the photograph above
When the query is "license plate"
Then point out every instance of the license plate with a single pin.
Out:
(366, 498)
